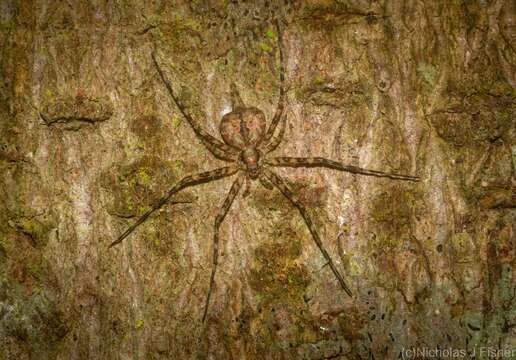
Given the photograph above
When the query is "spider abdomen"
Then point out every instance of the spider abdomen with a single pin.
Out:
(243, 127)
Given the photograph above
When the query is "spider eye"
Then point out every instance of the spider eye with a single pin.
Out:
(253, 174)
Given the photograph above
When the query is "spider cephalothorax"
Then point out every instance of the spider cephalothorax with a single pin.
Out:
(247, 142)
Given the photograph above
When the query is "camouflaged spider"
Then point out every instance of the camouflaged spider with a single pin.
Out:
(246, 144)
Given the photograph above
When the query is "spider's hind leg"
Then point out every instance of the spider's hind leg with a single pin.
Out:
(235, 188)
(218, 148)
(236, 99)
(270, 140)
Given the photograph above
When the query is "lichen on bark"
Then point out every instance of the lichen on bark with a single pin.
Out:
(89, 139)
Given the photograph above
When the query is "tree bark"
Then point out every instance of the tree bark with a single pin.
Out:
(90, 139)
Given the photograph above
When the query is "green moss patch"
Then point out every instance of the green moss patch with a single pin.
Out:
(133, 188)
(278, 275)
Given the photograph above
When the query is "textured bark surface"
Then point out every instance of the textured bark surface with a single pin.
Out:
(89, 138)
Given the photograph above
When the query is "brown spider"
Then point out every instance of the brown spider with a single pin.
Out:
(246, 144)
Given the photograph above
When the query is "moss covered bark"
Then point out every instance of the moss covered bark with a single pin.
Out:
(89, 139)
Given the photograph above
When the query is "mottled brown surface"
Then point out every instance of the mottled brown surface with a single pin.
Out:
(89, 138)
(243, 127)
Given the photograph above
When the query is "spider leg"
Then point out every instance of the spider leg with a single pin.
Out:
(278, 115)
(236, 100)
(184, 183)
(265, 183)
(215, 146)
(331, 164)
(235, 188)
(247, 187)
(285, 190)
(277, 138)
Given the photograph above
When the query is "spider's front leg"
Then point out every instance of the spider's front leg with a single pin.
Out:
(235, 188)
(331, 164)
(285, 190)
(184, 183)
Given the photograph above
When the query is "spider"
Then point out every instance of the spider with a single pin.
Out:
(246, 145)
